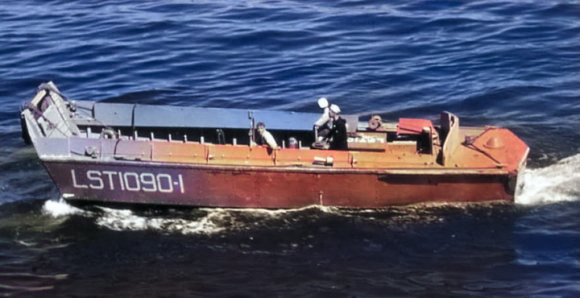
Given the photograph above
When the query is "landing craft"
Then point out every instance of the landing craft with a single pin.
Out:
(191, 156)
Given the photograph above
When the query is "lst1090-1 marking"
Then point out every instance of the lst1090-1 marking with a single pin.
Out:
(128, 181)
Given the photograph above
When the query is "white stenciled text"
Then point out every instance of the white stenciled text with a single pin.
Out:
(128, 181)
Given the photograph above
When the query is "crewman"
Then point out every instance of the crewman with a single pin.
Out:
(337, 136)
(376, 124)
(264, 137)
(323, 125)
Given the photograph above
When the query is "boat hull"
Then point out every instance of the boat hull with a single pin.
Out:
(271, 187)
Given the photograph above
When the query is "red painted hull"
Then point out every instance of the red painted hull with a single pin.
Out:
(268, 187)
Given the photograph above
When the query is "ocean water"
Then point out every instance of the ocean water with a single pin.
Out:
(514, 64)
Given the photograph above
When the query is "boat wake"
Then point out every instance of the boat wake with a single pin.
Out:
(206, 221)
(559, 182)
(61, 208)
(128, 220)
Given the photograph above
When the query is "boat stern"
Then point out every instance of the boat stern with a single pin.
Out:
(507, 151)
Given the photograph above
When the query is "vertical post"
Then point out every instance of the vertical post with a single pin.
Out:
(252, 126)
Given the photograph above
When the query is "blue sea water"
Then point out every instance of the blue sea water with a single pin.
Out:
(508, 63)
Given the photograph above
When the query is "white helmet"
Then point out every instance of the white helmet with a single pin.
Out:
(334, 108)
(323, 102)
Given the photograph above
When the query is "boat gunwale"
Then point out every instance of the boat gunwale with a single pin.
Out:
(284, 168)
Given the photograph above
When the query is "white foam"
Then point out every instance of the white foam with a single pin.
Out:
(126, 220)
(216, 220)
(60, 208)
(559, 182)
(272, 212)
